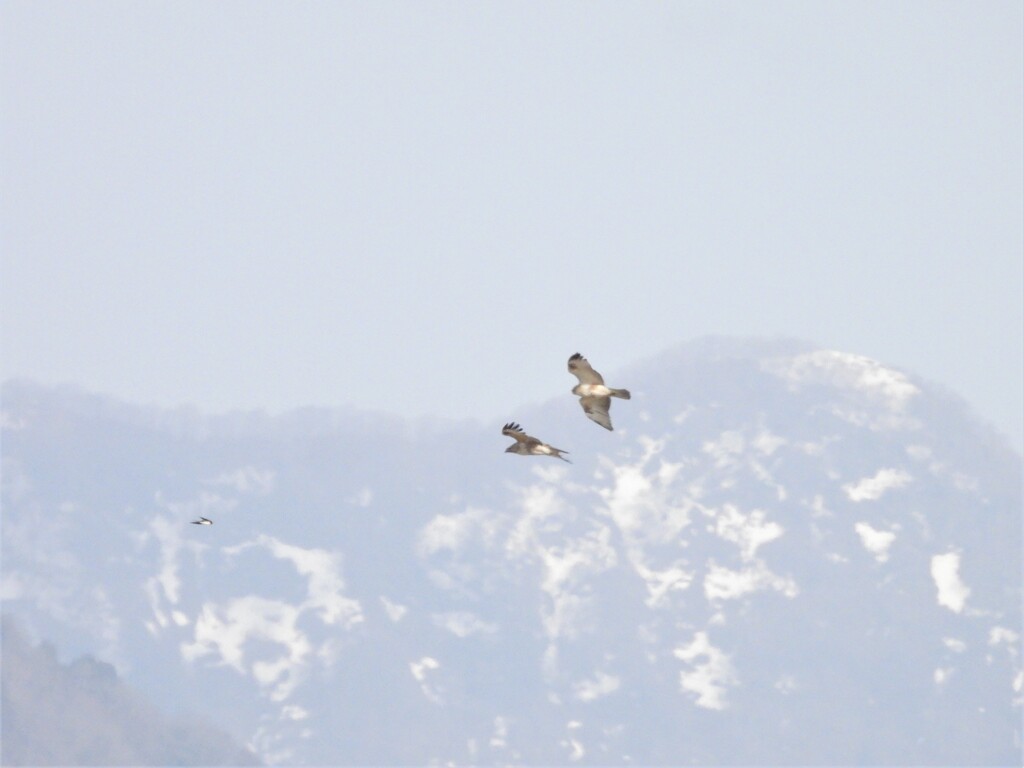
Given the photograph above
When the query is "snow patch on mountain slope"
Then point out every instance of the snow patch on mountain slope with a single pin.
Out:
(395, 611)
(463, 623)
(422, 672)
(954, 644)
(644, 505)
(576, 749)
(998, 635)
(322, 569)
(721, 583)
(876, 397)
(842, 369)
(708, 674)
(747, 531)
(952, 592)
(601, 685)
(962, 481)
(452, 532)
(649, 511)
(660, 583)
(163, 590)
(225, 630)
(877, 542)
(165, 586)
(874, 487)
(565, 570)
(726, 450)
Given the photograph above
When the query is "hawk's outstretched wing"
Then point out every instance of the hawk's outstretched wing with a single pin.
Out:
(580, 368)
(514, 430)
(596, 409)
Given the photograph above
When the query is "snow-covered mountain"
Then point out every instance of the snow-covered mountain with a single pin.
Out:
(782, 555)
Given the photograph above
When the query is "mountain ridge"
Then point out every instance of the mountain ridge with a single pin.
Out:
(89, 717)
(771, 528)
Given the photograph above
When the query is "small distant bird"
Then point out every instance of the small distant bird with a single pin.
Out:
(594, 396)
(525, 445)
(203, 521)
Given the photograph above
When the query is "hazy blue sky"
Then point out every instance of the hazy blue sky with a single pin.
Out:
(426, 207)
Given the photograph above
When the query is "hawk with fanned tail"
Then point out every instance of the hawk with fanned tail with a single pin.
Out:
(595, 396)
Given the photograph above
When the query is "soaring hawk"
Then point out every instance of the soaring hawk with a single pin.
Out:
(595, 396)
(525, 445)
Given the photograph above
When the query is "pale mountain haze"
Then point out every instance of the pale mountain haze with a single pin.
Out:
(782, 555)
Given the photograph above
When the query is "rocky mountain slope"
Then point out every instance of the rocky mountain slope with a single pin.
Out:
(81, 714)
